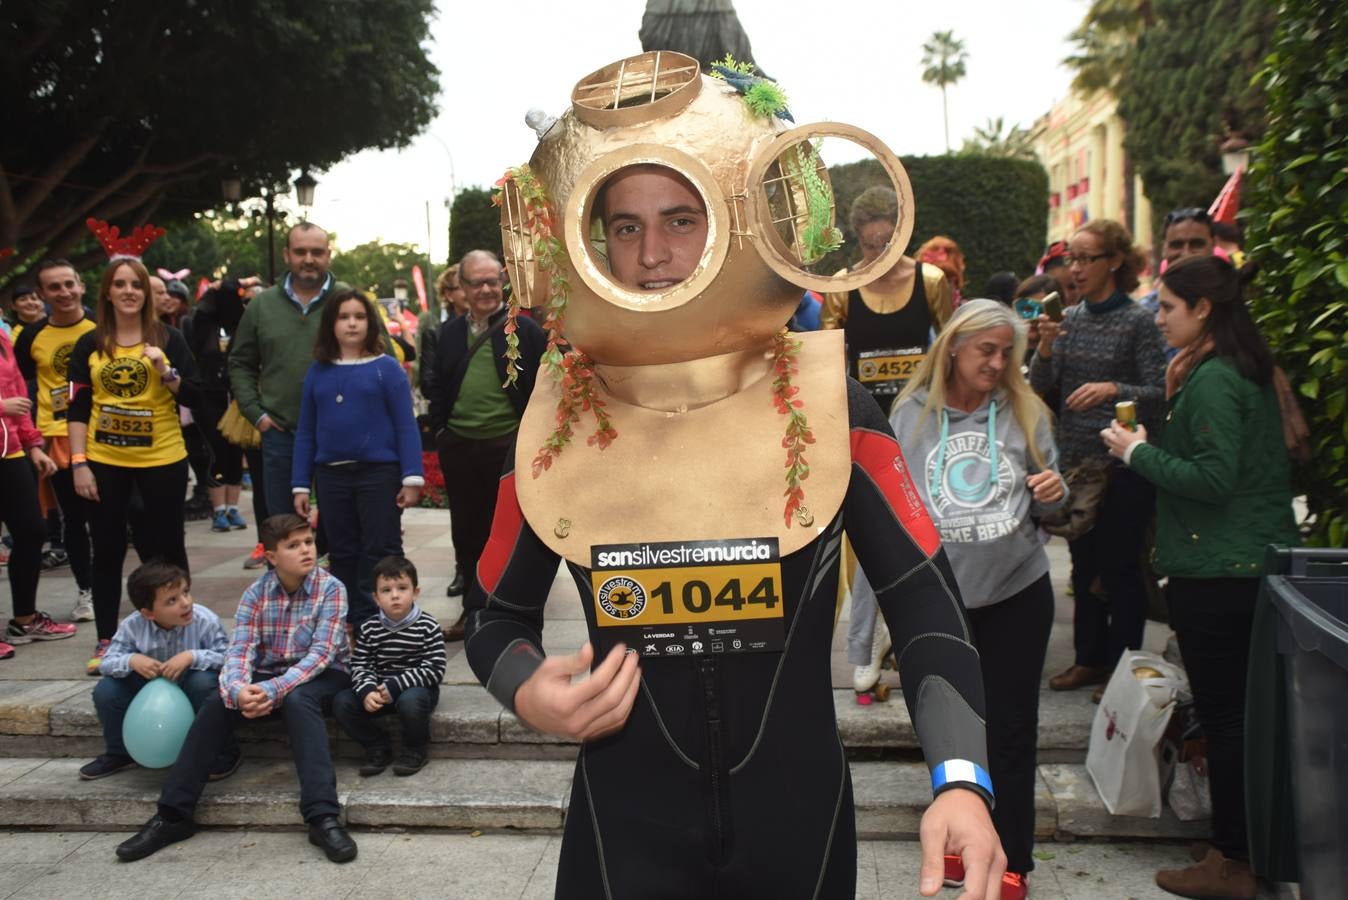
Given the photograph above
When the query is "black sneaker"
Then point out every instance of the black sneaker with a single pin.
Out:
(225, 767)
(376, 761)
(154, 836)
(411, 761)
(326, 832)
(105, 765)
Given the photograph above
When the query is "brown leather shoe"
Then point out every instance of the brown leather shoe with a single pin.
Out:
(455, 632)
(1078, 676)
(1214, 877)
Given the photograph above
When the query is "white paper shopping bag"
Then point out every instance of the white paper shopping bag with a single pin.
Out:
(1128, 726)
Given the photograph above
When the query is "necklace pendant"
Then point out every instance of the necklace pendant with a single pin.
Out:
(339, 398)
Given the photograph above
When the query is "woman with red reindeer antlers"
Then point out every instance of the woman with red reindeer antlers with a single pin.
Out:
(670, 221)
(126, 377)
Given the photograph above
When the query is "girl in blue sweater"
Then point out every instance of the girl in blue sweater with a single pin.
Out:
(357, 446)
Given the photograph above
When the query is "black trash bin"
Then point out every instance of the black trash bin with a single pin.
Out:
(1312, 605)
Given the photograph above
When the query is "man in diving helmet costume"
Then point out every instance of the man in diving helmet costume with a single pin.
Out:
(695, 467)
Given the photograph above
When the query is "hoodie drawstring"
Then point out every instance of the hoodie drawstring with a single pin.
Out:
(938, 473)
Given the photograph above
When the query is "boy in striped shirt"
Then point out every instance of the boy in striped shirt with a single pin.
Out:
(167, 637)
(397, 666)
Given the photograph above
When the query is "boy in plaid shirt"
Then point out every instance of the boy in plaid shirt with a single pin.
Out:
(397, 666)
(288, 656)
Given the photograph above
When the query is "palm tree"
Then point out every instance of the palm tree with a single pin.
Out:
(1105, 40)
(994, 140)
(943, 57)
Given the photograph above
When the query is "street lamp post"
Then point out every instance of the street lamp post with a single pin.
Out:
(304, 189)
(231, 188)
(270, 212)
(433, 300)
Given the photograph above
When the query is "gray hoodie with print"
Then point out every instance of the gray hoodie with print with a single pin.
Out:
(985, 523)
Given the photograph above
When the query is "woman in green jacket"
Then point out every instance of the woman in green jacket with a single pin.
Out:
(1222, 495)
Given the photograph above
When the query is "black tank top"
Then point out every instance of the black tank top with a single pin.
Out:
(885, 349)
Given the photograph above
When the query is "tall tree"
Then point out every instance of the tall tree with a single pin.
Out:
(135, 108)
(704, 29)
(943, 59)
(474, 224)
(1186, 86)
(375, 265)
(1104, 42)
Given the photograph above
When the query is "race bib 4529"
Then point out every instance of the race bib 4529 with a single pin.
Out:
(689, 598)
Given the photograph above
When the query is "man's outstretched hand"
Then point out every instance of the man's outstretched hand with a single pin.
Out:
(958, 823)
(589, 709)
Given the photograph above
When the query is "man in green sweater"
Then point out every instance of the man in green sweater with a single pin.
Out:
(273, 349)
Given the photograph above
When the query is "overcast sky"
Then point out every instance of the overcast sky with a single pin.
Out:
(861, 64)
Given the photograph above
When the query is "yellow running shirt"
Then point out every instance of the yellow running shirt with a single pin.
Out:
(133, 419)
(43, 353)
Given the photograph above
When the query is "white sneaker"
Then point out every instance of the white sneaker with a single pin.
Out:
(865, 678)
(84, 607)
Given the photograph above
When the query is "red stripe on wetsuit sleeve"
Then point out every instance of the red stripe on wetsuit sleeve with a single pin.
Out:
(505, 531)
(879, 455)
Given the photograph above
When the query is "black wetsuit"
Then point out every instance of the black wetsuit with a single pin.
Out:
(904, 333)
(729, 778)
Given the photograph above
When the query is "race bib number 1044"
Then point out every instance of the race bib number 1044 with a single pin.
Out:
(689, 598)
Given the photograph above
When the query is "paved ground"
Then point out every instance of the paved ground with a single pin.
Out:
(262, 864)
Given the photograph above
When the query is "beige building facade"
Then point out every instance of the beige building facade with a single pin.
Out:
(1080, 143)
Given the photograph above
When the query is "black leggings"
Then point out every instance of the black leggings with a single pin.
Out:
(1110, 596)
(161, 490)
(21, 513)
(226, 465)
(1012, 639)
(75, 519)
(259, 493)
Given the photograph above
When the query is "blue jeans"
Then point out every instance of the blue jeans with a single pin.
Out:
(356, 503)
(302, 710)
(278, 452)
(413, 706)
(112, 696)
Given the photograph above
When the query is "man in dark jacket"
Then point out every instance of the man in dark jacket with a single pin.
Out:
(473, 414)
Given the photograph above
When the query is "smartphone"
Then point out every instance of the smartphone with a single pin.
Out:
(1052, 305)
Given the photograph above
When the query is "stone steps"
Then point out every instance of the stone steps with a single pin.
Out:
(56, 719)
(496, 794)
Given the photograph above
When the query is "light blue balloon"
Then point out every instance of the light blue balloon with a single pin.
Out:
(156, 724)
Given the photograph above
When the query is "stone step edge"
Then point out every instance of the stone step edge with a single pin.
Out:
(468, 715)
(532, 795)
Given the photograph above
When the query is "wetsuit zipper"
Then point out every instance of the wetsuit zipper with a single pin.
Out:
(717, 832)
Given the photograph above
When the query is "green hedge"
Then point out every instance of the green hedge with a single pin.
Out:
(1297, 224)
(995, 209)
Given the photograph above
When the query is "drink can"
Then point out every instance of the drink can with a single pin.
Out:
(1126, 412)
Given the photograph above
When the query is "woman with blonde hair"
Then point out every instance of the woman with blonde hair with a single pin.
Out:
(980, 444)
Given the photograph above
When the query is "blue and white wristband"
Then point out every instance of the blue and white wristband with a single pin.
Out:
(961, 773)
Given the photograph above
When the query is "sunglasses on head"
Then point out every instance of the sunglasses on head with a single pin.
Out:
(1188, 214)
